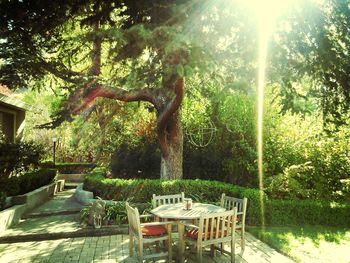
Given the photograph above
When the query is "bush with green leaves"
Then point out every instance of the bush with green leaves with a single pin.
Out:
(299, 154)
(115, 213)
(2, 200)
(19, 157)
(26, 182)
(276, 212)
(69, 168)
(136, 161)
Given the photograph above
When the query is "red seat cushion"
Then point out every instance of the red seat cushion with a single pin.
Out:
(193, 233)
(153, 230)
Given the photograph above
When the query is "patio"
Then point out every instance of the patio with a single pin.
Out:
(115, 249)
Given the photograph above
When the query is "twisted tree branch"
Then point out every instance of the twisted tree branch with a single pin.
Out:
(163, 118)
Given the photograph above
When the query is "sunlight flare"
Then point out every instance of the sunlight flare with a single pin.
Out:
(266, 13)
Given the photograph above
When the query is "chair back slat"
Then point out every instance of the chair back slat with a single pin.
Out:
(217, 226)
(229, 203)
(167, 199)
(134, 220)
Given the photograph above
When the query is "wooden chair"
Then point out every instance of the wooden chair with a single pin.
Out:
(213, 228)
(241, 204)
(158, 200)
(148, 233)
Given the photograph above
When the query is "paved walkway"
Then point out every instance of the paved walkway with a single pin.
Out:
(58, 220)
(59, 214)
(115, 249)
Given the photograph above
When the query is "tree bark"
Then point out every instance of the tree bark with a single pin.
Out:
(171, 163)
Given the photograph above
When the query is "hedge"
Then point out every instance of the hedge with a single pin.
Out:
(141, 190)
(27, 182)
(277, 212)
(70, 168)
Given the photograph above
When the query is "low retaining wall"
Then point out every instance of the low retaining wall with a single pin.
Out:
(23, 204)
(74, 178)
(82, 196)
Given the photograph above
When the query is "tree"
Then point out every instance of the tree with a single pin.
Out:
(92, 48)
(142, 50)
(316, 44)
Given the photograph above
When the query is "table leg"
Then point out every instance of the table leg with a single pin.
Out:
(181, 229)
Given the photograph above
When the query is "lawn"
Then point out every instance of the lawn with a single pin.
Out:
(308, 243)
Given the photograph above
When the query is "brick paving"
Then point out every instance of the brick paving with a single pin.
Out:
(115, 249)
(47, 223)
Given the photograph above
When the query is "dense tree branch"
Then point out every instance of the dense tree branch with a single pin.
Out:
(163, 118)
(64, 74)
(145, 94)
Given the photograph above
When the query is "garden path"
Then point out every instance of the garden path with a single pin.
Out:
(115, 249)
(59, 214)
(52, 233)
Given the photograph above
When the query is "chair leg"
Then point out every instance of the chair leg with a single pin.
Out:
(169, 244)
(140, 251)
(242, 240)
(233, 249)
(212, 251)
(131, 245)
(199, 254)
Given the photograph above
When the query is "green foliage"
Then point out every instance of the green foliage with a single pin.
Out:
(18, 157)
(228, 117)
(70, 168)
(286, 185)
(116, 211)
(2, 200)
(139, 161)
(84, 214)
(304, 160)
(27, 182)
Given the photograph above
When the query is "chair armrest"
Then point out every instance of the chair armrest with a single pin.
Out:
(156, 223)
(147, 215)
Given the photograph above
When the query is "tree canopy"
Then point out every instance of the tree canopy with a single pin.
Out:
(144, 50)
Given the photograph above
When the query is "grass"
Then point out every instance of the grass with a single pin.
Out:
(308, 243)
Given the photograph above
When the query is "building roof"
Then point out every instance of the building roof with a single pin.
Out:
(13, 103)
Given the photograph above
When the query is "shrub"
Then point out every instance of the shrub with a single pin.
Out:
(10, 185)
(69, 168)
(277, 212)
(144, 159)
(27, 182)
(18, 157)
(116, 212)
(304, 155)
(2, 200)
(33, 180)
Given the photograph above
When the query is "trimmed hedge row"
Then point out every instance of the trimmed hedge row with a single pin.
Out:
(70, 168)
(27, 182)
(277, 212)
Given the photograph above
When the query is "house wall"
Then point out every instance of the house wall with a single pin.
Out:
(12, 123)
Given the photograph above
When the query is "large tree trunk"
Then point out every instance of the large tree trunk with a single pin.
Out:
(171, 164)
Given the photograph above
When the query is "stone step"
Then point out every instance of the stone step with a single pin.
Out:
(70, 185)
(82, 232)
(51, 213)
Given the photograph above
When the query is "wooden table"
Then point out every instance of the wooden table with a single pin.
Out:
(177, 212)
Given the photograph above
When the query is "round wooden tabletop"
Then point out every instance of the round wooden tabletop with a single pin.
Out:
(177, 211)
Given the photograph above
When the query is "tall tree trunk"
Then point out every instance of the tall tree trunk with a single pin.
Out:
(171, 164)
